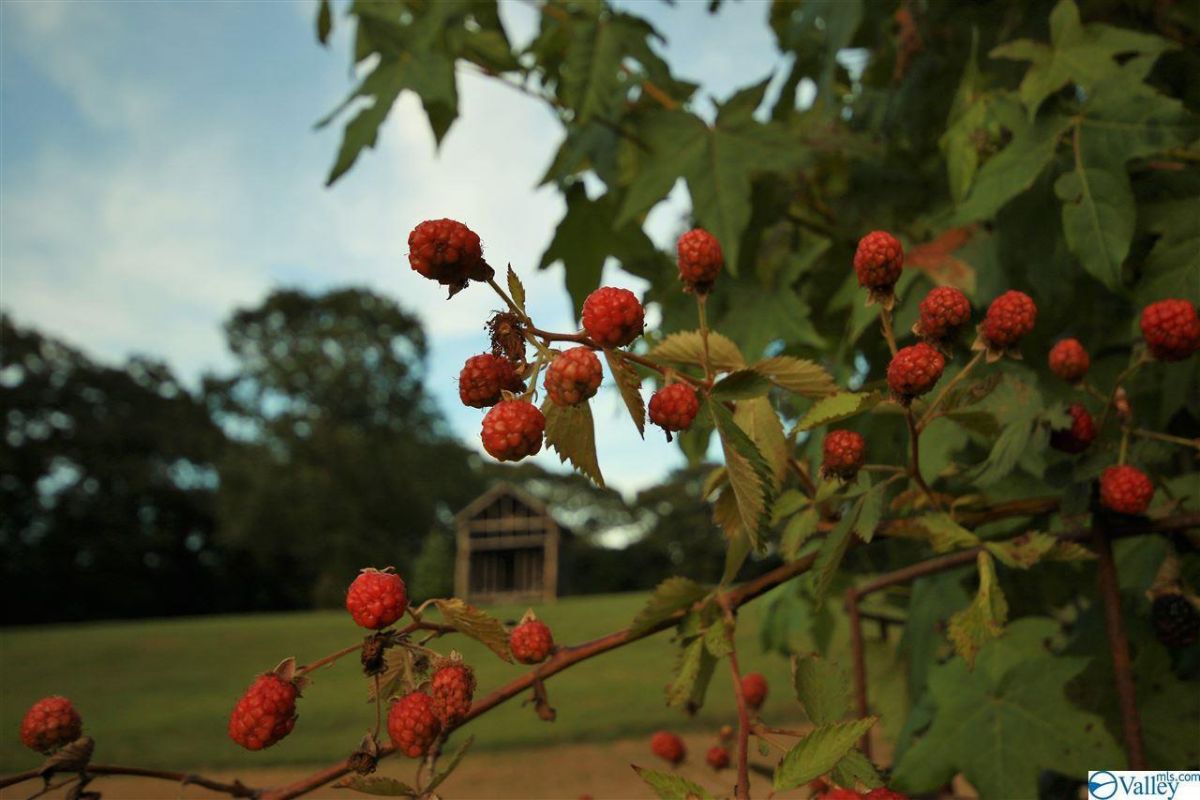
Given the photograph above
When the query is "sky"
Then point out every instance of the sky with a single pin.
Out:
(159, 168)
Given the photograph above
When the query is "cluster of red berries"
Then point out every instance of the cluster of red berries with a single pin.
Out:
(50, 723)
(415, 720)
(670, 747)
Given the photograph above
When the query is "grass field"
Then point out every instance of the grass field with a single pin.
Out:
(158, 693)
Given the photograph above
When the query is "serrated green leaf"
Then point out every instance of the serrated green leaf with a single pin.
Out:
(821, 687)
(818, 752)
(797, 375)
(870, 512)
(750, 475)
(692, 677)
(669, 786)
(670, 596)
(687, 347)
(571, 432)
(629, 383)
(833, 549)
(516, 289)
(1172, 268)
(376, 785)
(798, 530)
(717, 639)
(1006, 452)
(945, 534)
(1022, 552)
(479, 625)
(447, 767)
(1098, 215)
(854, 770)
(983, 620)
(741, 385)
(758, 418)
(836, 408)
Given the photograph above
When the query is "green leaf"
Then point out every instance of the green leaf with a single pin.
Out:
(870, 512)
(945, 534)
(757, 417)
(692, 677)
(447, 767)
(324, 22)
(376, 785)
(855, 769)
(836, 408)
(1006, 721)
(718, 162)
(669, 597)
(629, 383)
(798, 530)
(750, 476)
(1026, 550)
(1007, 450)
(821, 689)
(570, 431)
(586, 237)
(741, 385)
(688, 348)
(818, 752)
(1098, 214)
(833, 549)
(1012, 170)
(983, 620)
(479, 625)
(669, 786)
(516, 289)
(717, 639)
(797, 375)
(1172, 268)
(1079, 54)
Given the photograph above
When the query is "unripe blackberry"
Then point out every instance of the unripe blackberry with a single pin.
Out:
(943, 312)
(1176, 621)
(446, 251)
(1079, 436)
(914, 370)
(50, 723)
(1010, 317)
(1125, 490)
(1069, 360)
(412, 724)
(674, 407)
(531, 641)
(376, 598)
(613, 317)
(700, 259)
(878, 261)
(512, 430)
(265, 713)
(484, 377)
(844, 454)
(754, 690)
(1171, 329)
(452, 688)
(573, 376)
(668, 746)
(717, 757)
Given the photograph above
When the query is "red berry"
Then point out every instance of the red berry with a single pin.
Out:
(674, 406)
(668, 747)
(914, 370)
(613, 317)
(573, 376)
(717, 757)
(412, 724)
(1171, 329)
(50, 723)
(513, 429)
(1069, 360)
(839, 793)
(376, 598)
(482, 379)
(452, 688)
(878, 261)
(943, 311)
(446, 251)
(1010, 317)
(883, 793)
(265, 713)
(700, 259)
(844, 454)
(1125, 490)
(531, 642)
(1076, 438)
(754, 689)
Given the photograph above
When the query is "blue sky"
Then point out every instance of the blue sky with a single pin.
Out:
(159, 168)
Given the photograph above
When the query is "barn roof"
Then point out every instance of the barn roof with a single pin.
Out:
(495, 493)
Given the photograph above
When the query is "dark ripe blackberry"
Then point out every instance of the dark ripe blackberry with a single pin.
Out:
(1176, 621)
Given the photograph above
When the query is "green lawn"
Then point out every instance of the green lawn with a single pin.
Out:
(158, 693)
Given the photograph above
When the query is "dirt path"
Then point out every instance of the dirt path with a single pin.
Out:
(565, 772)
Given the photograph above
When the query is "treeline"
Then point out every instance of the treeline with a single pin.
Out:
(125, 494)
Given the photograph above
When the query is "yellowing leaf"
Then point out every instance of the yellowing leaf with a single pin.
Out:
(479, 625)
(983, 620)
(797, 375)
(688, 348)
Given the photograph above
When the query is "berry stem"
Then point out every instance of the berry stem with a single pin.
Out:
(914, 466)
(927, 417)
(378, 711)
(702, 313)
(885, 468)
(1142, 358)
(583, 339)
(742, 791)
(329, 659)
(1166, 437)
(886, 325)
(763, 733)
(802, 473)
(1124, 451)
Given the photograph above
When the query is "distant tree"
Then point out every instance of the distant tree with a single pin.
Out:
(342, 460)
(432, 573)
(107, 480)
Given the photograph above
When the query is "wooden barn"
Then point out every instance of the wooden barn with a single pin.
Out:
(507, 548)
